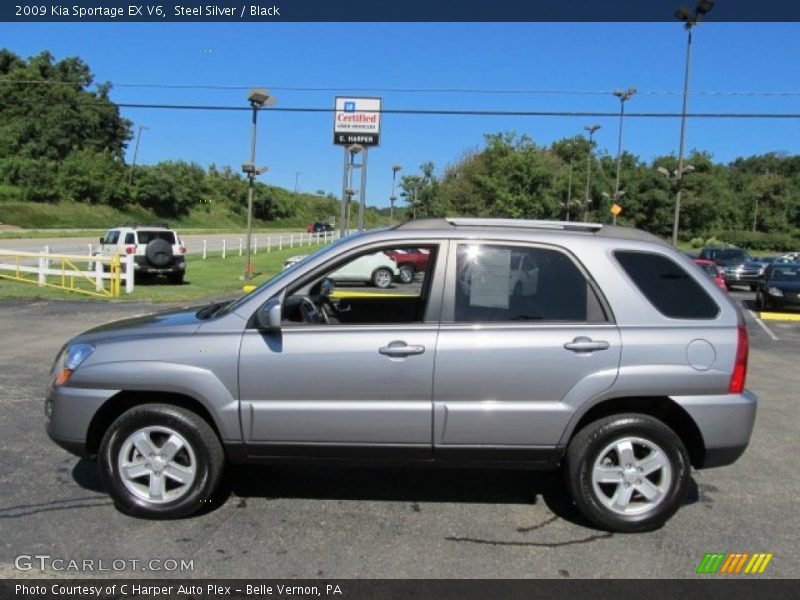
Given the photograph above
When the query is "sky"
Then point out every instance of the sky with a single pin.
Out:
(469, 58)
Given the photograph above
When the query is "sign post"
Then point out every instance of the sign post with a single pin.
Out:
(356, 126)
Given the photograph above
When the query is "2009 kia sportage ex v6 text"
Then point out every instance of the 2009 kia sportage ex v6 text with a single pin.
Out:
(620, 362)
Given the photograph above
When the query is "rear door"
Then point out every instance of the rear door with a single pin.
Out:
(513, 362)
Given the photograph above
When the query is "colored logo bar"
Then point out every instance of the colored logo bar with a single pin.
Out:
(734, 563)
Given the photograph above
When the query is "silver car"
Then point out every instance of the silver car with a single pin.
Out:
(624, 366)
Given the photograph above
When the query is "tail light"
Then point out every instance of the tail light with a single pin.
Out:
(130, 249)
(183, 249)
(740, 364)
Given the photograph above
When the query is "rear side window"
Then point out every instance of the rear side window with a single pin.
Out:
(129, 238)
(667, 286)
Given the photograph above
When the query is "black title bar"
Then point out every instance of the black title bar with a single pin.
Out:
(380, 11)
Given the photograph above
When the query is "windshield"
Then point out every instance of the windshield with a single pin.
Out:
(786, 273)
(732, 254)
(286, 273)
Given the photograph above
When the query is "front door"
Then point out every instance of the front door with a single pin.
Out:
(355, 382)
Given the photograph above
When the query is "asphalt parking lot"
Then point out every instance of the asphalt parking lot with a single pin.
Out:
(395, 523)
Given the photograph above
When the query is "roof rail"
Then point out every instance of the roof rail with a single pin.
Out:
(136, 225)
(525, 224)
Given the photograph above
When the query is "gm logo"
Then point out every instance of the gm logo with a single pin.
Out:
(734, 563)
(350, 107)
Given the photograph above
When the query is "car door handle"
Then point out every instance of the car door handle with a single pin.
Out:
(400, 348)
(585, 344)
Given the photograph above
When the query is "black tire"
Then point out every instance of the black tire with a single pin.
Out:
(209, 460)
(382, 278)
(753, 287)
(176, 278)
(590, 442)
(159, 253)
(406, 274)
(759, 301)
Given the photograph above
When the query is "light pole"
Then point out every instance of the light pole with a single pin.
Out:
(258, 99)
(624, 96)
(393, 197)
(689, 21)
(591, 129)
(135, 154)
(569, 180)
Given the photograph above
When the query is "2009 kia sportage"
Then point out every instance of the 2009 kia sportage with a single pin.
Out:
(624, 365)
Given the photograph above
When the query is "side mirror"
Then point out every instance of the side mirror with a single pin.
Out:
(102, 240)
(268, 316)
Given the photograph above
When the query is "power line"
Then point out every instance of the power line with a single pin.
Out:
(555, 92)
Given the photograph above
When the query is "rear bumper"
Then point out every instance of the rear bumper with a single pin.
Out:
(725, 423)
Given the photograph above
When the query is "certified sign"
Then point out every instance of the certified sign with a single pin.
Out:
(357, 121)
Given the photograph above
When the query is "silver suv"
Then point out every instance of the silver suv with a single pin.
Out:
(622, 363)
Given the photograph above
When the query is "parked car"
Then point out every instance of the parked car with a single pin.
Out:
(378, 270)
(779, 287)
(625, 367)
(157, 250)
(713, 271)
(410, 261)
(737, 265)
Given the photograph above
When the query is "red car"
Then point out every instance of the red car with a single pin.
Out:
(710, 267)
(410, 261)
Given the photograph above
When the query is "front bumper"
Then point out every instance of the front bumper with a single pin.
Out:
(69, 412)
(725, 423)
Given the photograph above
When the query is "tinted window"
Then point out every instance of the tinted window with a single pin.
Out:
(667, 286)
(129, 238)
(511, 283)
(111, 237)
(145, 237)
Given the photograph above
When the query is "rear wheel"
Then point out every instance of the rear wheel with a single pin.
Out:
(176, 278)
(160, 461)
(627, 473)
(406, 274)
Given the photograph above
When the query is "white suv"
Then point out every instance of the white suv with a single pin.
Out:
(157, 250)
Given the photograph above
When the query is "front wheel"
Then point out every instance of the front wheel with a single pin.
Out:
(627, 473)
(160, 461)
(382, 278)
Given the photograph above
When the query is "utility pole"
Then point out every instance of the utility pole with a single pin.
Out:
(135, 154)
(591, 129)
(393, 197)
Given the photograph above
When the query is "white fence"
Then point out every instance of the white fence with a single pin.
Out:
(66, 274)
(236, 245)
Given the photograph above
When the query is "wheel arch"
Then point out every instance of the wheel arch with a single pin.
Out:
(662, 408)
(127, 399)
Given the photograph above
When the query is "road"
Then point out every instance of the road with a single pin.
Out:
(381, 522)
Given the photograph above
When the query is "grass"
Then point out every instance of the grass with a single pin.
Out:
(209, 278)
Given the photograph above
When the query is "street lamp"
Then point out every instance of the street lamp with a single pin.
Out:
(393, 197)
(624, 96)
(258, 98)
(689, 21)
(591, 129)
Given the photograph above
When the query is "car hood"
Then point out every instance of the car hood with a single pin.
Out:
(183, 320)
(748, 264)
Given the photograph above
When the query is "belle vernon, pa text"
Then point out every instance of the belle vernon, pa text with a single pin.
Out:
(212, 589)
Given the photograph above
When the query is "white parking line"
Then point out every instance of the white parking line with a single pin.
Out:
(764, 327)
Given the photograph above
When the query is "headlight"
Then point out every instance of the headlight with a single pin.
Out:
(773, 291)
(71, 359)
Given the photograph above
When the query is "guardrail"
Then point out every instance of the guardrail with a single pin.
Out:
(66, 275)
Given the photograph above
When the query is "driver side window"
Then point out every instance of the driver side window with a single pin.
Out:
(386, 285)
